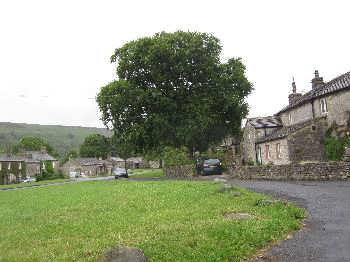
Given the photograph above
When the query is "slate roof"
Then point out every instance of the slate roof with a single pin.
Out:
(89, 161)
(137, 159)
(265, 122)
(116, 159)
(284, 131)
(39, 156)
(11, 158)
(337, 84)
(28, 157)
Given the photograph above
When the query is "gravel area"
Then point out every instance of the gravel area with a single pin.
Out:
(326, 236)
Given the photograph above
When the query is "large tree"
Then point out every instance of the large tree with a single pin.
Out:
(95, 145)
(33, 143)
(173, 90)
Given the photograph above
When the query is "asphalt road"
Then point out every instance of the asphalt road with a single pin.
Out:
(326, 236)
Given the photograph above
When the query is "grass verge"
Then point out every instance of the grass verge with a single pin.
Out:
(44, 182)
(147, 173)
(169, 220)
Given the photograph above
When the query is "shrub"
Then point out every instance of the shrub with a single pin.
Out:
(176, 156)
(334, 148)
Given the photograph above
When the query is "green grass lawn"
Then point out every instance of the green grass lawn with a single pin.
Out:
(169, 220)
(147, 173)
(34, 183)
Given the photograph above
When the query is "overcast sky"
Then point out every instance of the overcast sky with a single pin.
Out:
(54, 55)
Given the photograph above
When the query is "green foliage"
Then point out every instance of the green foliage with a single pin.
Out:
(70, 155)
(33, 143)
(172, 90)
(335, 148)
(176, 156)
(16, 168)
(61, 138)
(250, 162)
(95, 145)
(48, 173)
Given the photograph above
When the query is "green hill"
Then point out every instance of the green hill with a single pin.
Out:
(62, 138)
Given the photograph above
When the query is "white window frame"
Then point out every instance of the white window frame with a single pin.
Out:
(259, 155)
(267, 153)
(290, 118)
(323, 106)
(278, 150)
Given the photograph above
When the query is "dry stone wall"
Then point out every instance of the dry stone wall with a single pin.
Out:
(307, 171)
(179, 171)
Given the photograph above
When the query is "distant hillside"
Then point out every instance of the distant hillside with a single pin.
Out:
(62, 138)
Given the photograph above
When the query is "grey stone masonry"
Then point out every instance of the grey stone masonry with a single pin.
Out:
(347, 155)
(307, 171)
(179, 171)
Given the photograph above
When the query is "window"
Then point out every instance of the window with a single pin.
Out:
(267, 152)
(323, 105)
(20, 166)
(259, 155)
(9, 166)
(290, 118)
(278, 151)
(0, 166)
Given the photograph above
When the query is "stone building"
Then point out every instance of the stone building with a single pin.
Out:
(27, 164)
(12, 169)
(86, 166)
(256, 128)
(303, 124)
(35, 161)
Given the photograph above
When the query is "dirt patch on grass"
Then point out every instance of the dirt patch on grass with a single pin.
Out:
(237, 216)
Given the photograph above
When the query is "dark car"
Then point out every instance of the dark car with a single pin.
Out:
(209, 167)
(120, 172)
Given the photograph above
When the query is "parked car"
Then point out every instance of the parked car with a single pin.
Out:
(120, 172)
(29, 179)
(209, 167)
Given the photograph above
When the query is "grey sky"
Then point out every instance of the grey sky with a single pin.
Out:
(54, 55)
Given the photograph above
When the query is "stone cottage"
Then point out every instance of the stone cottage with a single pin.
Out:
(255, 129)
(35, 161)
(27, 164)
(87, 166)
(12, 169)
(302, 124)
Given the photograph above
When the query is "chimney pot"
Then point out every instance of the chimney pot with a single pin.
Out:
(317, 81)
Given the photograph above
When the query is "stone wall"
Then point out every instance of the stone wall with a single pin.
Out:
(307, 143)
(248, 144)
(282, 159)
(307, 171)
(338, 105)
(179, 171)
(298, 114)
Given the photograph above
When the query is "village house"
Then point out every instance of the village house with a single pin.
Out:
(27, 164)
(297, 132)
(86, 166)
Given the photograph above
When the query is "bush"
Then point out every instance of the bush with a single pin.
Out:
(48, 173)
(335, 148)
(176, 156)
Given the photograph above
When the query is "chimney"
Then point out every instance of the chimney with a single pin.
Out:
(294, 96)
(317, 81)
(43, 150)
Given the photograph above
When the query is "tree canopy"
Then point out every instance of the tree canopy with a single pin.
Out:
(173, 90)
(32, 143)
(95, 145)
